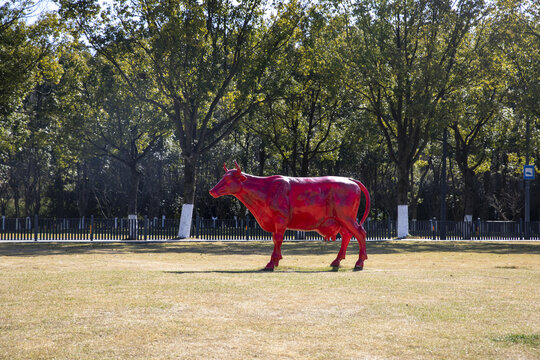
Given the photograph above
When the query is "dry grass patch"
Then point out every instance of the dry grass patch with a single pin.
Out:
(452, 300)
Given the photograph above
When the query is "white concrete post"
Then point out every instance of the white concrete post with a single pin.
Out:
(403, 221)
(185, 221)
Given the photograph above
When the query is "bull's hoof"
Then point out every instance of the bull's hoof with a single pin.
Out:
(270, 266)
(335, 268)
(359, 265)
(335, 263)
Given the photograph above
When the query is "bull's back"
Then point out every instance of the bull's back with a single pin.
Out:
(314, 200)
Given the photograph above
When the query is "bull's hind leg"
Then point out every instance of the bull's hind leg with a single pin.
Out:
(277, 237)
(345, 239)
(360, 234)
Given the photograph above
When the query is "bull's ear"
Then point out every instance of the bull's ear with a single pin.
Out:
(225, 167)
(241, 176)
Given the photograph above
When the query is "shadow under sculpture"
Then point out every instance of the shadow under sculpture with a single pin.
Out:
(327, 205)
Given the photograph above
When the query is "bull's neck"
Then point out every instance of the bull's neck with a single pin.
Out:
(253, 194)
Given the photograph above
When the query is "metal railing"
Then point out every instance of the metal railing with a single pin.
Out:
(249, 229)
(121, 229)
(475, 230)
(87, 229)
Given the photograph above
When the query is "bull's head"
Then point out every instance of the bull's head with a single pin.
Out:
(230, 183)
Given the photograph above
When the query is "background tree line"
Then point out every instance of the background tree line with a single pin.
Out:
(133, 106)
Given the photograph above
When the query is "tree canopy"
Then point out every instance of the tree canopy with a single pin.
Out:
(120, 107)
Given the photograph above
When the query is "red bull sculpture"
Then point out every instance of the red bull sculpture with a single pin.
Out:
(327, 205)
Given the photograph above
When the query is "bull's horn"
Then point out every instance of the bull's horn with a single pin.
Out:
(237, 166)
(225, 167)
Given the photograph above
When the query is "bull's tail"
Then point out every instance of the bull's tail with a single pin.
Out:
(368, 200)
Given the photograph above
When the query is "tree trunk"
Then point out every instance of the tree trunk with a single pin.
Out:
(285, 167)
(155, 192)
(16, 197)
(37, 198)
(488, 192)
(294, 157)
(468, 192)
(304, 166)
(262, 158)
(190, 174)
(133, 189)
(403, 183)
(82, 189)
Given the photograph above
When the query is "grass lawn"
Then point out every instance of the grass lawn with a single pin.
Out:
(433, 300)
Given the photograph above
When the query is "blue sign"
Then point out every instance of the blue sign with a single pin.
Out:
(528, 172)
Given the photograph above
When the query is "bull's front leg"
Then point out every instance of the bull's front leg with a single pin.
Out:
(277, 237)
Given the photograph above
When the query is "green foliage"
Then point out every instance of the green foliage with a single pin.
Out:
(303, 119)
(403, 62)
(202, 61)
(173, 89)
(27, 54)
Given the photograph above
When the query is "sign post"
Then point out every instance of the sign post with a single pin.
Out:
(528, 174)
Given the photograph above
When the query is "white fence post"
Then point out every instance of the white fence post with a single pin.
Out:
(133, 227)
